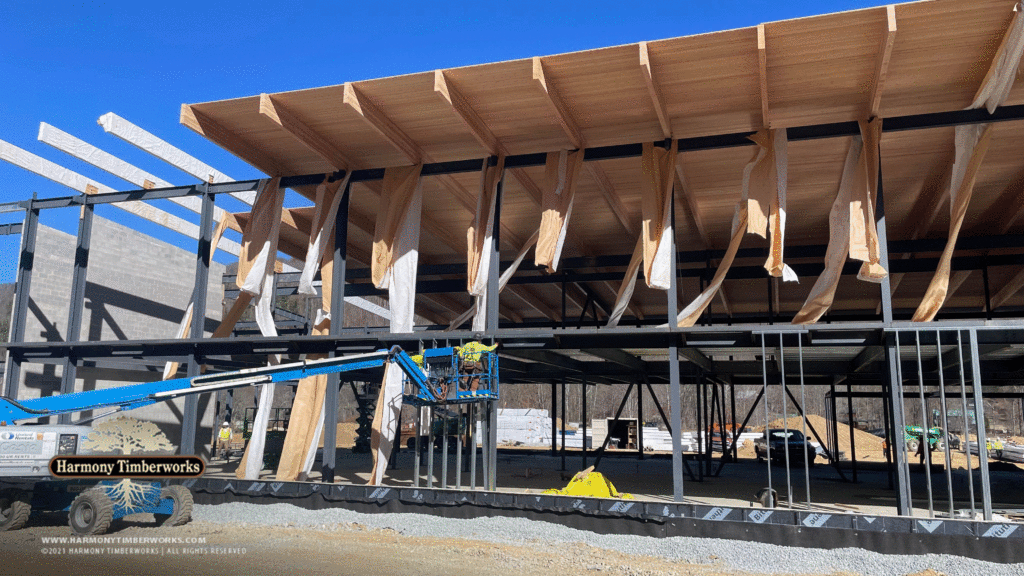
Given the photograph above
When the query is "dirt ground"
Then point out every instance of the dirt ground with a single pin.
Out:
(348, 549)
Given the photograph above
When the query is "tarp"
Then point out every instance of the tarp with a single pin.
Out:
(971, 143)
(628, 284)
(306, 420)
(658, 166)
(480, 240)
(502, 281)
(395, 248)
(256, 277)
(325, 214)
(852, 227)
(561, 172)
(762, 198)
(766, 198)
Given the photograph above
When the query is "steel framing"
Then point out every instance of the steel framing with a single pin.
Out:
(683, 346)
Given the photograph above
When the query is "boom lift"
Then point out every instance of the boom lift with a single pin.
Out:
(25, 450)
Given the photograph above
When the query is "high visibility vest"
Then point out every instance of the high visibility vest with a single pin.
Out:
(225, 433)
(471, 352)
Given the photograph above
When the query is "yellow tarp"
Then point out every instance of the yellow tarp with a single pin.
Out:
(590, 484)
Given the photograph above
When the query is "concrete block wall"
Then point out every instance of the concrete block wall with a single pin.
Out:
(137, 288)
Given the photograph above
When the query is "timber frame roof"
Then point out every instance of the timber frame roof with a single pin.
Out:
(891, 62)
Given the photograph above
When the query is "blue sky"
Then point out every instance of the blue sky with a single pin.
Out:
(68, 63)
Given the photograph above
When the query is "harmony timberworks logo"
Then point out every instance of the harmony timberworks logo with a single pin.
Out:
(127, 467)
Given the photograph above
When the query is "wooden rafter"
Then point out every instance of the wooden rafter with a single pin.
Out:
(652, 88)
(444, 88)
(556, 104)
(205, 126)
(230, 141)
(613, 200)
(762, 68)
(575, 137)
(698, 222)
(882, 61)
(1009, 290)
(1008, 206)
(449, 93)
(929, 201)
(1011, 196)
(377, 120)
(287, 120)
(996, 56)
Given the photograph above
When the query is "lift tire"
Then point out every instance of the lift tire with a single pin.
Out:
(912, 445)
(182, 498)
(939, 446)
(15, 507)
(91, 513)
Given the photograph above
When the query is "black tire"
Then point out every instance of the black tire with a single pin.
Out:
(15, 507)
(91, 513)
(183, 502)
(939, 446)
(912, 445)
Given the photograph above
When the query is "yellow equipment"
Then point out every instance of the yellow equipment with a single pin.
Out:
(590, 484)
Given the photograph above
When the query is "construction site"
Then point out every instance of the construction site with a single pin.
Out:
(764, 284)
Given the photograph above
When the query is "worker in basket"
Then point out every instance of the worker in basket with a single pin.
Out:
(471, 364)
(224, 436)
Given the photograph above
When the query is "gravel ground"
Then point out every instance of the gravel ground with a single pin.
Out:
(736, 555)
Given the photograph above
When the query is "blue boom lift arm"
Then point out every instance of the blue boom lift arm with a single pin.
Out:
(138, 395)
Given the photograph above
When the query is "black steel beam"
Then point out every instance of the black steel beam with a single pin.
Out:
(22, 287)
(9, 229)
(190, 415)
(619, 357)
(76, 302)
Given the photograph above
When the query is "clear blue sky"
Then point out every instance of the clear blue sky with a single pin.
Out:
(67, 63)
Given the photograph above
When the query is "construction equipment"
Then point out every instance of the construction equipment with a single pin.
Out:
(936, 438)
(26, 450)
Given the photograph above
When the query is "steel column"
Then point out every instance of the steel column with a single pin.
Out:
(675, 389)
(979, 414)
(492, 433)
(338, 273)
(554, 415)
(23, 286)
(898, 442)
(849, 422)
(640, 420)
(189, 418)
(77, 302)
(493, 274)
(583, 419)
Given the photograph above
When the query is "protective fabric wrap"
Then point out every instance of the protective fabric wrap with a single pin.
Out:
(325, 214)
(305, 424)
(971, 143)
(561, 173)
(628, 285)
(762, 200)
(256, 277)
(480, 240)
(658, 166)
(395, 248)
(852, 227)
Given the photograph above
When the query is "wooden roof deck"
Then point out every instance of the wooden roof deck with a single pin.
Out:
(903, 60)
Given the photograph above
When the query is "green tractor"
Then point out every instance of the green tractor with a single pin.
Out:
(936, 439)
